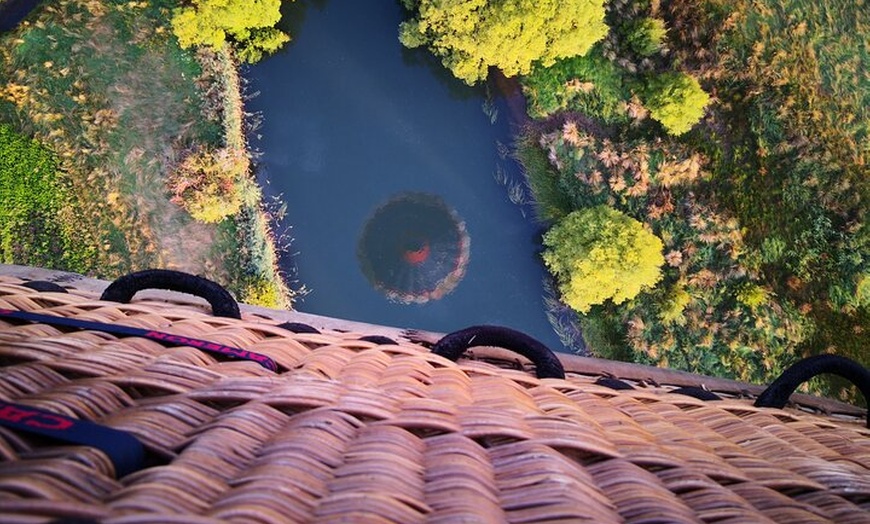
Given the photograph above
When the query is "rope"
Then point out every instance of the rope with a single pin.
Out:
(453, 345)
(778, 393)
(222, 303)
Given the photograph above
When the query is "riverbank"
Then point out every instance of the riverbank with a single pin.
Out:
(117, 102)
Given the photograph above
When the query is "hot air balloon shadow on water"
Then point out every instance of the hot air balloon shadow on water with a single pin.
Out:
(414, 248)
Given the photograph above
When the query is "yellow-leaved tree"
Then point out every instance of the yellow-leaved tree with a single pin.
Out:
(247, 24)
(472, 35)
(599, 253)
(677, 100)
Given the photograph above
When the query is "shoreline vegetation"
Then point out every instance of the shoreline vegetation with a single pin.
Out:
(735, 132)
(102, 99)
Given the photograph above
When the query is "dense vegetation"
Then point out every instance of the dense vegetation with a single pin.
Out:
(761, 206)
(736, 132)
(598, 253)
(471, 36)
(33, 229)
(248, 26)
(129, 117)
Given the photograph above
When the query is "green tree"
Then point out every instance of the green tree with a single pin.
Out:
(472, 35)
(248, 24)
(645, 36)
(676, 100)
(599, 253)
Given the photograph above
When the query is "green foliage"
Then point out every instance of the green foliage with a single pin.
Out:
(598, 254)
(32, 231)
(590, 84)
(265, 293)
(646, 36)
(604, 335)
(207, 183)
(28, 194)
(551, 202)
(769, 240)
(112, 115)
(472, 35)
(674, 305)
(676, 100)
(249, 25)
(692, 320)
(862, 292)
(249, 245)
(752, 296)
(261, 42)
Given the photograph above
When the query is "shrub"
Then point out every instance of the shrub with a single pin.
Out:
(600, 253)
(590, 84)
(753, 296)
(674, 305)
(676, 100)
(262, 292)
(207, 183)
(645, 36)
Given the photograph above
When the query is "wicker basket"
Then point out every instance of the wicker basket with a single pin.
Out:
(353, 430)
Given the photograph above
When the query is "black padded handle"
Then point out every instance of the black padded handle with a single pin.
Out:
(222, 303)
(452, 346)
(778, 393)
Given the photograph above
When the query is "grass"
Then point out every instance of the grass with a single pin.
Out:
(589, 84)
(31, 199)
(551, 201)
(105, 87)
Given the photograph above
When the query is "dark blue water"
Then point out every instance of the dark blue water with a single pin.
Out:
(351, 119)
(14, 11)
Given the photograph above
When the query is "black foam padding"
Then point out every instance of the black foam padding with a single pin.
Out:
(379, 340)
(613, 383)
(45, 286)
(778, 393)
(452, 346)
(222, 303)
(298, 327)
(698, 393)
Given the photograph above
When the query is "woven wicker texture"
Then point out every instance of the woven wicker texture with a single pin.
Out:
(351, 431)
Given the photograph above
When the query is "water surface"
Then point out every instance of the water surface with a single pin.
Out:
(350, 119)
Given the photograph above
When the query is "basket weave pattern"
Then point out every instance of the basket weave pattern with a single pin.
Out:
(348, 430)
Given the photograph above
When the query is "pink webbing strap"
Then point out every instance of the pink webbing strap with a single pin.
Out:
(164, 338)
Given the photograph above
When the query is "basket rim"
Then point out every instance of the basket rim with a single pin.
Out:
(574, 364)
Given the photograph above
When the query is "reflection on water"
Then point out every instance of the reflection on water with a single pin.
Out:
(414, 248)
(350, 120)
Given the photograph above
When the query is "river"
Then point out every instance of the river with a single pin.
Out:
(350, 119)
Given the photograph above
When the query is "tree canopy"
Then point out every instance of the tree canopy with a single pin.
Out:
(248, 24)
(472, 35)
(600, 253)
(676, 100)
